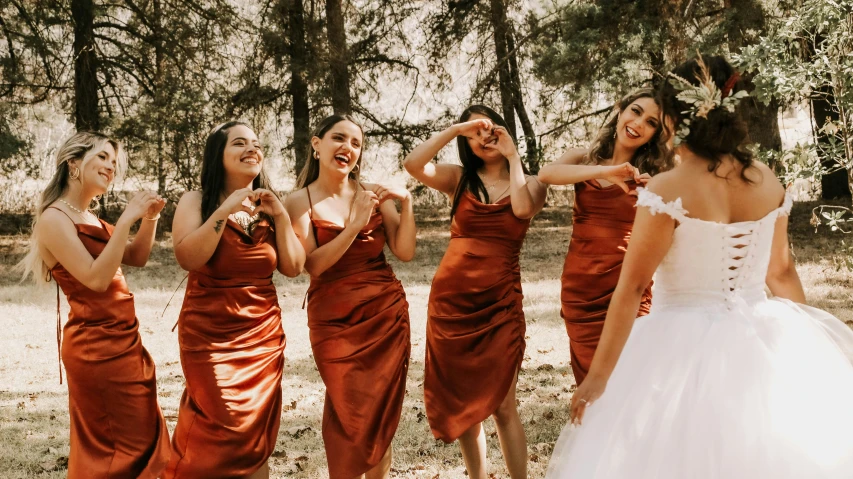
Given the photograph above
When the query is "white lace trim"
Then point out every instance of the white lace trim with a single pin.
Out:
(656, 205)
(787, 204)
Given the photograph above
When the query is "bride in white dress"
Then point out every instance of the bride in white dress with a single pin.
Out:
(719, 381)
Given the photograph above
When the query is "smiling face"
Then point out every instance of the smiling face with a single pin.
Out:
(340, 148)
(242, 155)
(638, 123)
(481, 139)
(98, 168)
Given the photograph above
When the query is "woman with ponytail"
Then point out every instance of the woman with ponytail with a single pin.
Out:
(628, 150)
(357, 311)
(718, 380)
(475, 325)
(117, 428)
(231, 236)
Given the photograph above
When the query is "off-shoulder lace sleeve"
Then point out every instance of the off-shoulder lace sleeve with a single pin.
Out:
(787, 204)
(656, 205)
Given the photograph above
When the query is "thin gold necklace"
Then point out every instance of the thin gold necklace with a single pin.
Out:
(74, 208)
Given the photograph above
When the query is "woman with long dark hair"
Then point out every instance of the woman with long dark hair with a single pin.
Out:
(117, 428)
(357, 311)
(231, 236)
(628, 150)
(475, 325)
(718, 380)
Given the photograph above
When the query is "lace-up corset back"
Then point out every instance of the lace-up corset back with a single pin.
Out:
(710, 261)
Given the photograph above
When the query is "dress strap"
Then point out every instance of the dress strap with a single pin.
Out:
(59, 210)
(58, 331)
(311, 215)
(656, 205)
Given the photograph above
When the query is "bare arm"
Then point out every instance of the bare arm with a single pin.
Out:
(195, 242)
(318, 260)
(291, 254)
(400, 227)
(651, 238)
(137, 252)
(782, 277)
(58, 235)
(441, 177)
(527, 195)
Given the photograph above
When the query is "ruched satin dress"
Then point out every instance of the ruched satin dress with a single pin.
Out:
(475, 325)
(117, 428)
(603, 218)
(359, 330)
(232, 353)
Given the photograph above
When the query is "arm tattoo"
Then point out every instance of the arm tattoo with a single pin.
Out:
(218, 225)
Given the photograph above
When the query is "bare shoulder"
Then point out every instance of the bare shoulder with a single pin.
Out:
(667, 185)
(296, 203)
(190, 198)
(769, 184)
(54, 220)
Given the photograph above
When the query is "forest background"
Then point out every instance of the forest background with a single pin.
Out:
(159, 74)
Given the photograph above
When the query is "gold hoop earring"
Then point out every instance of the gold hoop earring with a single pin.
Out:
(356, 168)
(74, 174)
(316, 155)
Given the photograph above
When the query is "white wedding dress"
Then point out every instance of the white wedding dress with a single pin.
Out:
(719, 381)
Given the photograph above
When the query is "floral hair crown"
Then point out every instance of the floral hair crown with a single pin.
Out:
(704, 97)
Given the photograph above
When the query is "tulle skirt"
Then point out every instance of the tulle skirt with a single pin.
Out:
(757, 390)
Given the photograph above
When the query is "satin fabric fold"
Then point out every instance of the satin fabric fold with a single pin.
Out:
(360, 337)
(232, 354)
(602, 222)
(117, 428)
(475, 325)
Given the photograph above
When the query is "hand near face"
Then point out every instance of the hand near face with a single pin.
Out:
(270, 203)
(504, 145)
(475, 128)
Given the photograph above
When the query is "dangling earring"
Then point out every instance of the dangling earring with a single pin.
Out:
(74, 174)
(614, 134)
(316, 155)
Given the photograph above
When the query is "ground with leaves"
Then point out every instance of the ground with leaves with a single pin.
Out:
(33, 406)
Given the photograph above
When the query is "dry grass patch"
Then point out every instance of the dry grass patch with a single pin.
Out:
(33, 405)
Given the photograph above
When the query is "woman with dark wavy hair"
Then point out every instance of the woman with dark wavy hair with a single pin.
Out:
(628, 150)
(357, 311)
(475, 326)
(231, 236)
(718, 380)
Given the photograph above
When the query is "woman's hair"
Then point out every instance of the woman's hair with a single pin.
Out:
(722, 132)
(653, 157)
(213, 171)
(83, 146)
(471, 163)
(311, 171)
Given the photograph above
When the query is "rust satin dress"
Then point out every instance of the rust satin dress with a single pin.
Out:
(603, 218)
(117, 428)
(475, 324)
(359, 330)
(232, 353)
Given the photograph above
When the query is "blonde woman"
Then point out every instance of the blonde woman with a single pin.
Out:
(117, 428)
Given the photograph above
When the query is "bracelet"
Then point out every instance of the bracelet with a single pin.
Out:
(152, 219)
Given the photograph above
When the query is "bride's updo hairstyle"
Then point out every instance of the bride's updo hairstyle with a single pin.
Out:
(719, 132)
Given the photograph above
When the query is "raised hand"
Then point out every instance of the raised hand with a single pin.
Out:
(391, 193)
(505, 146)
(142, 204)
(270, 203)
(364, 203)
(156, 208)
(475, 128)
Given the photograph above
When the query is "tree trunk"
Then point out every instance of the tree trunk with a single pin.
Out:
(86, 114)
(500, 30)
(298, 84)
(836, 184)
(518, 103)
(159, 97)
(338, 57)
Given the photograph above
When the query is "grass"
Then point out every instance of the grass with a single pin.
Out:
(33, 405)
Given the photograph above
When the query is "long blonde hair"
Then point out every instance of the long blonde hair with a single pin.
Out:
(83, 145)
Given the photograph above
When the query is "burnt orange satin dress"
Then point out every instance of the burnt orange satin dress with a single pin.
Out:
(475, 322)
(117, 428)
(359, 330)
(232, 353)
(603, 218)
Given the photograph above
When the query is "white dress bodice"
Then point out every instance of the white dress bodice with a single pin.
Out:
(712, 264)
